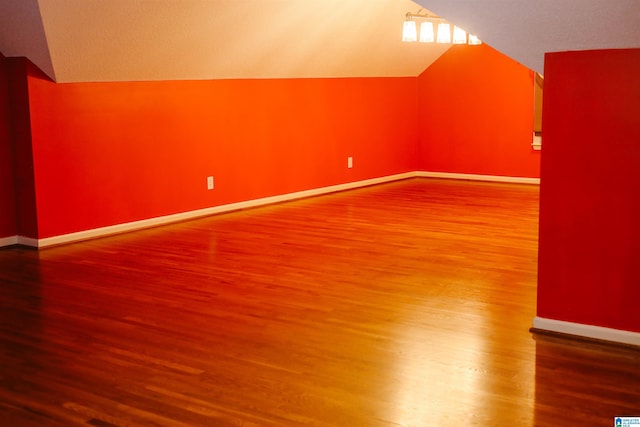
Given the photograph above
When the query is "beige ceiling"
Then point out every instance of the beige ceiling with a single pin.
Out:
(116, 40)
(110, 40)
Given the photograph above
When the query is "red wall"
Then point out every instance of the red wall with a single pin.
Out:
(101, 154)
(109, 153)
(23, 169)
(476, 114)
(589, 260)
(17, 190)
(7, 201)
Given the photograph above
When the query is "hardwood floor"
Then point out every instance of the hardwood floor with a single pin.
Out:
(404, 304)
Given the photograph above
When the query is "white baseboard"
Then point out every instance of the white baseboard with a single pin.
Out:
(587, 331)
(476, 177)
(27, 241)
(152, 222)
(8, 241)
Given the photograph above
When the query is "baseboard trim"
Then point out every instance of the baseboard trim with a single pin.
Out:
(476, 177)
(167, 219)
(28, 241)
(579, 330)
(8, 241)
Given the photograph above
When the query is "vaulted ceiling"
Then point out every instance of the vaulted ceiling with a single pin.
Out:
(526, 29)
(121, 40)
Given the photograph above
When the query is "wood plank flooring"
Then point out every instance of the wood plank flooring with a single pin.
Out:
(404, 304)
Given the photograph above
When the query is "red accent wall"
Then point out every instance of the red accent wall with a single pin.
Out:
(110, 153)
(589, 247)
(7, 201)
(101, 154)
(24, 212)
(476, 114)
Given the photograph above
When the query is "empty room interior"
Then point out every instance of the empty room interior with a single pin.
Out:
(319, 213)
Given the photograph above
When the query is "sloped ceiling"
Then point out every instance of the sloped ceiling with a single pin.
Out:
(526, 29)
(116, 40)
(22, 33)
(111, 40)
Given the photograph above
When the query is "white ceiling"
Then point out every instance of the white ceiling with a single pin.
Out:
(526, 29)
(123, 40)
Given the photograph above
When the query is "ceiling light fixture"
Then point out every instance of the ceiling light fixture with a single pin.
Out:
(474, 40)
(409, 31)
(459, 35)
(443, 34)
(426, 32)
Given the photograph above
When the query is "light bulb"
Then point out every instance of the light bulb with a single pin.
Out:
(474, 40)
(459, 35)
(409, 32)
(444, 33)
(426, 32)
